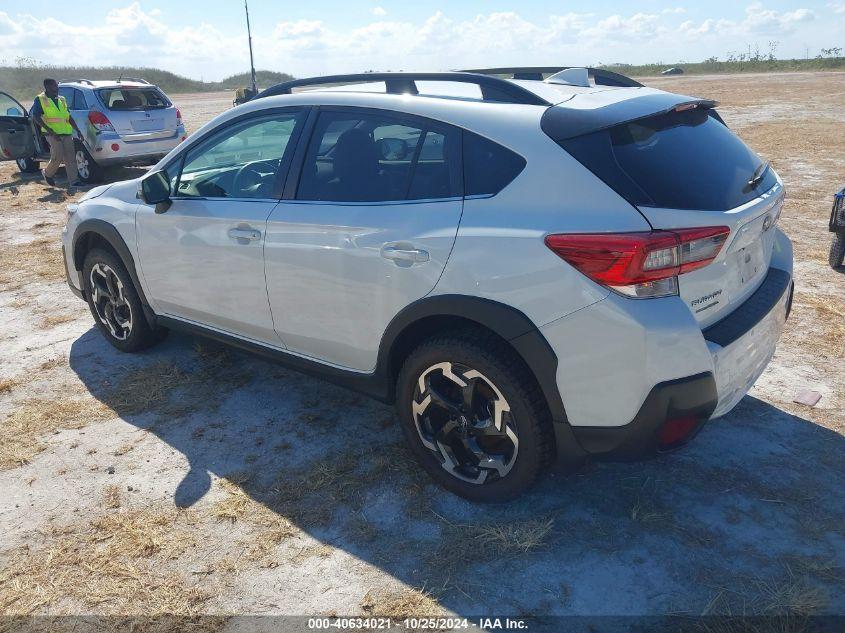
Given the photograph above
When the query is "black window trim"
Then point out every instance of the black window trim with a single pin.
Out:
(424, 123)
(288, 157)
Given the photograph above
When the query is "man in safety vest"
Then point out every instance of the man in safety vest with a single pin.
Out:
(50, 112)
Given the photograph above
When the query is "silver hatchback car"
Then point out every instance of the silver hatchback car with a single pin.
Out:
(127, 121)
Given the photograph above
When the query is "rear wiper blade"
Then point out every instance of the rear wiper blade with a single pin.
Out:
(759, 173)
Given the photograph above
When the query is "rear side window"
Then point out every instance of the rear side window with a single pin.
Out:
(488, 167)
(75, 99)
(678, 160)
(370, 157)
(133, 98)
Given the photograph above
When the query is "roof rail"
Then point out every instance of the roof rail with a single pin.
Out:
(600, 76)
(76, 81)
(492, 88)
(136, 80)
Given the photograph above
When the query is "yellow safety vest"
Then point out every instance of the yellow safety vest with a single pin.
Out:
(57, 118)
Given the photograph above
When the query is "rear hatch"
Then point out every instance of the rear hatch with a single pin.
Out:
(683, 168)
(139, 113)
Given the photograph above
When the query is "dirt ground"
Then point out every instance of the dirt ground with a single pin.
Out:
(192, 479)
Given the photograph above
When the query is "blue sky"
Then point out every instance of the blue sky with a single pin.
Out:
(335, 36)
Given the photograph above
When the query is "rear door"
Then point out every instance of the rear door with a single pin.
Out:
(686, 169)
(17, 138)
(369, 231)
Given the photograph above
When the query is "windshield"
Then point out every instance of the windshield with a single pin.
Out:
(133, 98)
(677, 160)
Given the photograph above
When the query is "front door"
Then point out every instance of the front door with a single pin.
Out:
(17, 139)
(203, 258)
(374, 220)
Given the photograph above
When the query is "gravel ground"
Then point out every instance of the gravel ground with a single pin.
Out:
(192, 479)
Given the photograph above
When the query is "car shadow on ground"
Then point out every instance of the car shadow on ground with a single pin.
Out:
(747, 519)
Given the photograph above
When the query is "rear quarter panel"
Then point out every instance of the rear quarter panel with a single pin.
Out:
(500, 254)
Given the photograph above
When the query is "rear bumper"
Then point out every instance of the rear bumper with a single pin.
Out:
(626, 367)
(130, 150)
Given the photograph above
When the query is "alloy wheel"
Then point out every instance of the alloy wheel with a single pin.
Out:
(83, 168)
(109, 300)
(466, 422)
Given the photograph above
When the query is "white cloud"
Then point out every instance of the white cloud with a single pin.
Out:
(761, 20)
(135, 36)
(837, 7)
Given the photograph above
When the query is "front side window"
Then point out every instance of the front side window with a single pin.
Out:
(241, 162)
(356, 157)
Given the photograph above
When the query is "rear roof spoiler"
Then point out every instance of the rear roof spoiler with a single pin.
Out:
(600, 76)
(568, 120)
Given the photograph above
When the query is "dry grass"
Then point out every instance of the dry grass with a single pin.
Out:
(7, 384)
(53, 320)
(24, 430)
(112, 497)
(116, 564)
(268, 529)
(464, 544)
(40, 259)
(830, 312)
(400, 604)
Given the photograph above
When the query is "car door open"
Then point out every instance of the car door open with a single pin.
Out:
(17, 138)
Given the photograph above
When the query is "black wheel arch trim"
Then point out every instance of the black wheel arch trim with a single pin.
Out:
(112, 236)
(507, 322)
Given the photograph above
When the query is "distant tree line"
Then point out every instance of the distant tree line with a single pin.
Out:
(751, 59)
(23, 79)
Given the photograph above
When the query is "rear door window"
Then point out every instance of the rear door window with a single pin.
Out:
(679, 160)
(133, 98)
(374, 157)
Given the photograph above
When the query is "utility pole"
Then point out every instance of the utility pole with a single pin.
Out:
(251, 61)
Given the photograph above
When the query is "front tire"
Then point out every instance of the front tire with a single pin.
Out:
(474, 416)
(28, 165)
(837, 251)
(87, 169)
(115, 304)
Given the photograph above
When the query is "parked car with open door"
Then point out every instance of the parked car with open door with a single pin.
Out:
(124, 122)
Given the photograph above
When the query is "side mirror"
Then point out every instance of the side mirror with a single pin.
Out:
(393, 148)
(155, 189)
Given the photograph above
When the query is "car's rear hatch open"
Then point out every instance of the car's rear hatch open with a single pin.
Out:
(139, 113)
(681, 167)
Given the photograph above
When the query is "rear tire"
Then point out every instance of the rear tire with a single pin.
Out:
(87, 169)
(28, 165)
(837, 251)
(486, 440)
(115, 304)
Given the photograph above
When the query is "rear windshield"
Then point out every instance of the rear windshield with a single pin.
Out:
(133, 98)
(679, 160)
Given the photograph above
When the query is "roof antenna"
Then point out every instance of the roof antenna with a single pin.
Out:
(251, 62)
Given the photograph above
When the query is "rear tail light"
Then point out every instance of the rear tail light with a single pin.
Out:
(641, 265)
(100, 121)
(178, 117)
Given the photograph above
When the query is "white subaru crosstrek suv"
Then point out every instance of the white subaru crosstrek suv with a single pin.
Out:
(534, 271)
